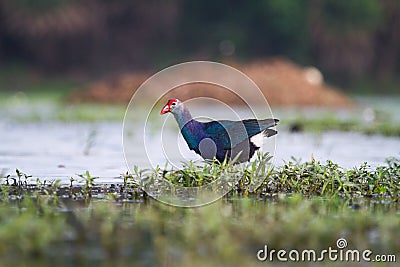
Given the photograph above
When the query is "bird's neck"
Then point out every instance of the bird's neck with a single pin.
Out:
(183, 117)
(190, 128)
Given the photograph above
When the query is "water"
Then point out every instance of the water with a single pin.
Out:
(57, 150)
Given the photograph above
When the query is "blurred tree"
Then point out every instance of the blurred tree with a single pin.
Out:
(351, 39)
(353, 14)
(38, 6)
(283, 24)
(264, 28)
(342, 34)
(86, 35)
(388, 41)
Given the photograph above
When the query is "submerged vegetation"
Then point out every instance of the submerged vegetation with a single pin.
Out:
(301, 205)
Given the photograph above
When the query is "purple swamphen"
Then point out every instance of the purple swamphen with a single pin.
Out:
(222, 139)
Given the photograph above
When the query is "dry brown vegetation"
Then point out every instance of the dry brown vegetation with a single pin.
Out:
(282, 82)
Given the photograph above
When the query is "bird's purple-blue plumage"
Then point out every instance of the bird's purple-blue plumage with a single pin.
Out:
(221, 139)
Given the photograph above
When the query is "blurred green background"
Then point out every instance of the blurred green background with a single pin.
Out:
(355, 43)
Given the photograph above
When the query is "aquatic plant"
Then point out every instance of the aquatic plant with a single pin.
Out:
(301, 205)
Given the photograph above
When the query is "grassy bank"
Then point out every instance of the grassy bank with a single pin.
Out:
(385, 127)
(40, 106)
(307, 205)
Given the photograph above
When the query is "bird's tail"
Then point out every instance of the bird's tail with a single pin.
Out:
(269, 132)
(268, 123)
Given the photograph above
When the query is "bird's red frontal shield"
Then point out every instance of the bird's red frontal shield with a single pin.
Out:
(165, 109)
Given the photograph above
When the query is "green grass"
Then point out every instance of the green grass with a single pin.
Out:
(18, 79)
(26, 96)
(310, 178)
(386, 127)
(22, 108)
(30, 96)
(301, 205)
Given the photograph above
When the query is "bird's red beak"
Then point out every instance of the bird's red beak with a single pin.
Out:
(165, 109)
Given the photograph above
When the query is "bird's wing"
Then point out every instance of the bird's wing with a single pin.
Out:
(231, 133)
